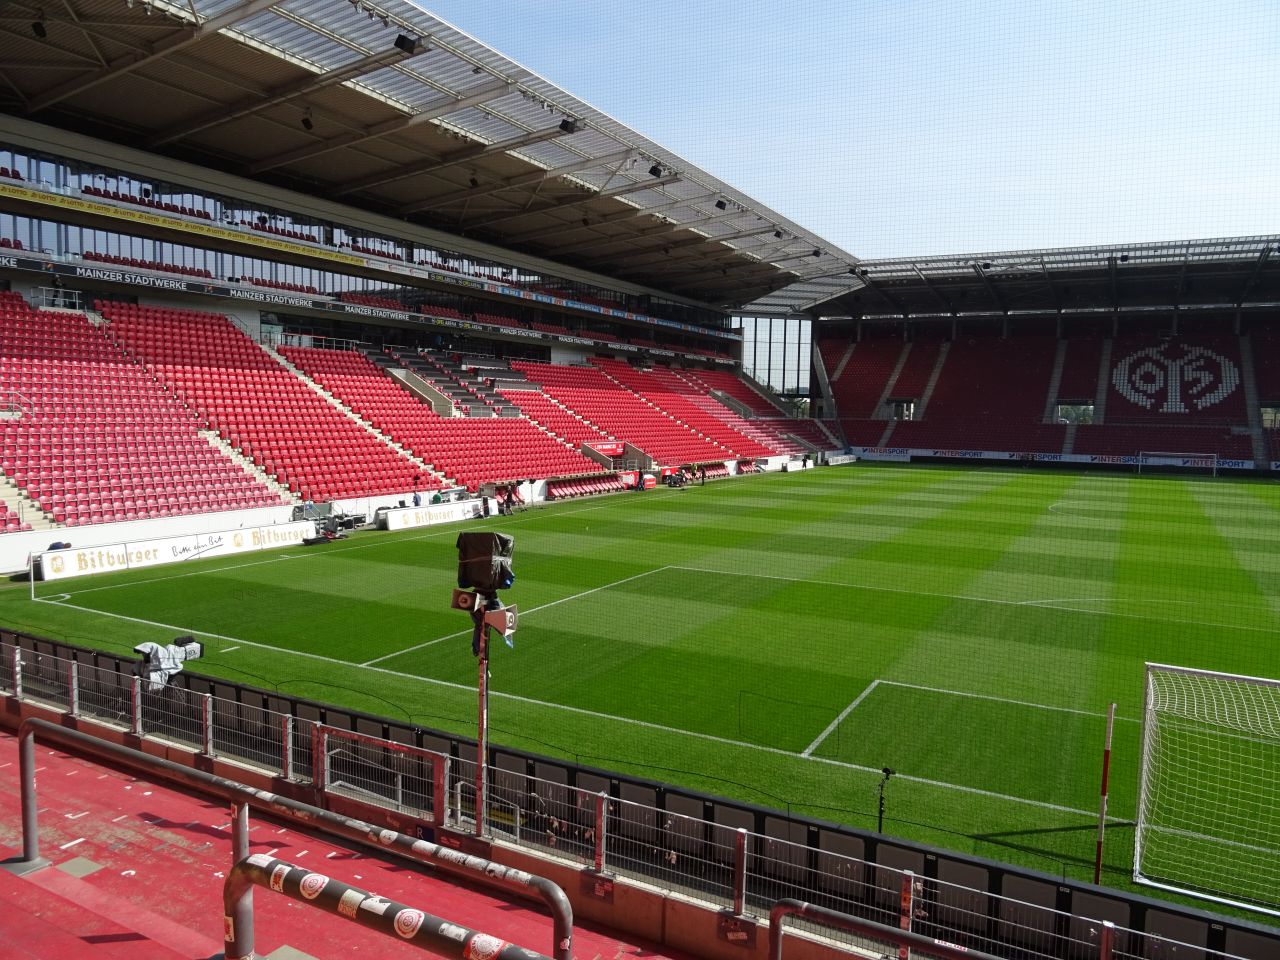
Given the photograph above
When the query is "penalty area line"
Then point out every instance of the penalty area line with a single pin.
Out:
(808, 751)
(597, 715)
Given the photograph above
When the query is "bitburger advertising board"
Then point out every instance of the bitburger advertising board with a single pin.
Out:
(135, 554)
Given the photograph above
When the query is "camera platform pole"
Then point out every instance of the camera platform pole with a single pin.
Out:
(482, 721)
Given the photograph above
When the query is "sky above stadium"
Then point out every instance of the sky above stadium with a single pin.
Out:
(904, 128)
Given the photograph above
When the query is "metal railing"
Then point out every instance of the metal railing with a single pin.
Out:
(723, 865)
(241, 797)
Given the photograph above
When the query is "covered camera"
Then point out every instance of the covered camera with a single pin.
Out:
(484, 562)
(162, 661)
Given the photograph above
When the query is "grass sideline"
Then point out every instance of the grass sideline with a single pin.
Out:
(777, 640)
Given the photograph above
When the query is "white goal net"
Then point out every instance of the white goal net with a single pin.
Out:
(1209, 797)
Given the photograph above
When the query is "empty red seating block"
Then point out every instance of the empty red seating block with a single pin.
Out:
(93, 257)
(258, 406)
(606, 405)
(865, 375)
(469, 451)
(586, 487)
(102, 441)
(670, 393)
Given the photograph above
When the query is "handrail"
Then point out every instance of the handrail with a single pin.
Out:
(416, 927)
(903, 939)
(423, 851)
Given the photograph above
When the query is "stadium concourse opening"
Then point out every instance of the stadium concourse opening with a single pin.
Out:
(916, 536)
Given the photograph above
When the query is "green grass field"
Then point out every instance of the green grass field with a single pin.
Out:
(778, 639)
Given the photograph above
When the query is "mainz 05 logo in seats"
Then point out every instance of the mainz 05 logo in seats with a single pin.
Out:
(1173, 378)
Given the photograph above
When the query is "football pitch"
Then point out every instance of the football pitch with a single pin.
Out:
(778, 639)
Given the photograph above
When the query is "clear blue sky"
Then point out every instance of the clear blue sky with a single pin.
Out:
(911, 128)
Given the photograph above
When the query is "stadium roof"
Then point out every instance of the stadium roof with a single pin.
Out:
(382, 105)
(1188, 275)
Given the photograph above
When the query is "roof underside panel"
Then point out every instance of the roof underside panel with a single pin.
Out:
(314, 94)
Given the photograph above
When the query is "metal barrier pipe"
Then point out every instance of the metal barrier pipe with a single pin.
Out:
(416, 927)
(865, 928)
(453, 861)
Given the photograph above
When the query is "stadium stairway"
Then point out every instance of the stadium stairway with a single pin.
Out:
(341, 405)
(137, 871)
(263, 477)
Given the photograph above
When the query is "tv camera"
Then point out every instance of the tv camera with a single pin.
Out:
(484, 568)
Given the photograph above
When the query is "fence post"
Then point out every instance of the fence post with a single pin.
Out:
(286, 746)
(319, 762)
(73, 689)
(136, 705)
(440, 790)
(17, 672)
(740, 871)
(1106, 941)
(908, 904)
(206, 724)
(602, 810)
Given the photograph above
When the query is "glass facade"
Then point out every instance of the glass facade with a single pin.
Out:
(776, 351)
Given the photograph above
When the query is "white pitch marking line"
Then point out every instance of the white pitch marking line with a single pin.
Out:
(119, 818)
(986, 696)
(645, 724)
(523, 613)
(69, 845)
(76, 816)
(228, 649)
(808, 751)
(1043, 604)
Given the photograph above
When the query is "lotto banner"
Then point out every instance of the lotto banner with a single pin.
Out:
(135, 554)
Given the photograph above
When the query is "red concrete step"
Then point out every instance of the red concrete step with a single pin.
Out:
(51, 921)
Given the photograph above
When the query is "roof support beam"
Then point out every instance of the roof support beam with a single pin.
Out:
(932, 289)
(1261, 262)
(1053, 287)
(514, 183)
(660, 251)
(386, 128)
(883, 294)
(615, 218)
(290, 91)
(432, 164)
(990, 287)
(561, 204)
(127, 62)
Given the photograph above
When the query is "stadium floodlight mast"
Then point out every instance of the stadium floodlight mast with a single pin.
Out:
(484, 568)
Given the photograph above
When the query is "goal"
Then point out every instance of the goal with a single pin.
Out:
(1209, 795)
(1168, 459)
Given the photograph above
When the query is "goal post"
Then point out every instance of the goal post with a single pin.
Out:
(1208, 821)
(1172, 459)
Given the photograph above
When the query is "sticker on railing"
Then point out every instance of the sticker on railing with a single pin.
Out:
(312, 884)
(483, 947)
(407, 923)
(278, 873)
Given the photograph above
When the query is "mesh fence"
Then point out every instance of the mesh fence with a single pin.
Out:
(380, 772)
(679, 851)
(252, 735)
(104, 694)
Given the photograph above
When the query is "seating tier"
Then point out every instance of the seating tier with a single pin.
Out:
(255, 404)
(469, 451)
